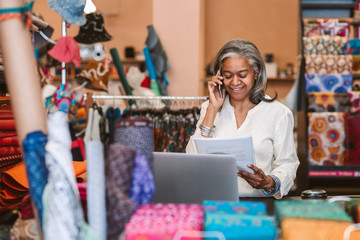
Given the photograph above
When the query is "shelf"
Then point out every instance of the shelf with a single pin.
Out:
(281, 79)
(334, 172)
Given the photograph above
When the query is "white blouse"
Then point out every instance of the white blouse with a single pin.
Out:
(271, 127)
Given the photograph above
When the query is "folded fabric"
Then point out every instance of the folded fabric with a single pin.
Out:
(352, 140)
(334, 27)
(25, 229)
(7, 124)
(315, 229)
(338, 83)
(7, 133)
(328, 102)
(12, 141)
(328, 64)
(326, 137)
(355, 101)
(10, 161)
(6, 115)
(243, 207)
(66, 50)
(9, 150)
(352, 47)
(324, 45)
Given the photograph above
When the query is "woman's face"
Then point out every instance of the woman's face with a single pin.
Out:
(239, 77)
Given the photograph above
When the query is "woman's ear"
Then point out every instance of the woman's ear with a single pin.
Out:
(256, 74)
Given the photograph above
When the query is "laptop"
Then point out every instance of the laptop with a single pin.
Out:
(193, 178)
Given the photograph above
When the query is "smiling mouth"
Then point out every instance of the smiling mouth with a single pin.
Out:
(237, 89)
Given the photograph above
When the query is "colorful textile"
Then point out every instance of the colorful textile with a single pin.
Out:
(25, 229)
(324, 45)
(352, 47)
(66, 50)
(328, 102)
(9, 141)
(93, 31)
(7, 124)
(338, 83)
(8, 162)
(7, 133)
(352, 142)
(326, 136)
(163, 221)
(9, 150)
(334, 27)
(137, 133)
(242, 207)
(328, 64)
(142, 183)
(36, 170)
(355, 101)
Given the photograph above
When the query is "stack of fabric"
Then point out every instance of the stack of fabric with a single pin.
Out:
(312, 220)
(239, 220)
(10, 157)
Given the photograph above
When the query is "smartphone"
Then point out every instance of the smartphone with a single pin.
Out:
(220, 86)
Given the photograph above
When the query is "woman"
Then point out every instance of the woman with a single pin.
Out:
(244, 109)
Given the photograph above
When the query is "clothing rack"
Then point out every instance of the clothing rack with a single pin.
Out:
(107, 97)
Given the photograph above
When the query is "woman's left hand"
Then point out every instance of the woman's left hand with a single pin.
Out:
(257, 180)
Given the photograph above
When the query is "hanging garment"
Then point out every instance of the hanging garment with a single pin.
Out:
(63, 216)
(338, 83)
(71, 11)
(352, 141)
(328, 102)
(118, 183)
(138, 134)
(93, 31)
(36, 170)
(326, 139)
(112, 115)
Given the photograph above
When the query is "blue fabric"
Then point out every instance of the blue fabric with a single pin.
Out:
(112, 115)
(71, 11)
(36, 170)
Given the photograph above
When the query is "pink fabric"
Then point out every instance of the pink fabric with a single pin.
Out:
(66, 50)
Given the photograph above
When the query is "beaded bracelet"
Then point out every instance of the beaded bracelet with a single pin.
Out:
(277, 187)
(206, 131)
(23, 13)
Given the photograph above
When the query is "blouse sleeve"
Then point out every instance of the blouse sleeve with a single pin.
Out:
(190, 147)
(286, 161)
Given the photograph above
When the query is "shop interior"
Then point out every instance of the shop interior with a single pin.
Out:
(99, 100)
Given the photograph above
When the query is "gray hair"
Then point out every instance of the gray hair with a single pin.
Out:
(240, 47)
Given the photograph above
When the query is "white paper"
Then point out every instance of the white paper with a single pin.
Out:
(240, 146)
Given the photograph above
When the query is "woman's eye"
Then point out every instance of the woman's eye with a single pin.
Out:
(242, 76)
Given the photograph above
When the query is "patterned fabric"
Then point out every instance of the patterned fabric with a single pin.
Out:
(328, 64)
(353, 47)
(9, 133)
(337, 83)
(352, 143)
(12, 141)
(355, 101)
(8, 162)
(93, 31)
(36, 170)
(138, 133)
(119, 169)
(326, 136)
(71, 11)
(324, 45)
(334, 27)
(9, 150)
(328, 102)
(142, 184)
(24, 229)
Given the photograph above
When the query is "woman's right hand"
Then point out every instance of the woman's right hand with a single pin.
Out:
(214, 95)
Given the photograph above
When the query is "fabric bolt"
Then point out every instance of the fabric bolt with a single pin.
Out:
(62, 216)
(353, 47)
(71, 11)
(8, 162)
(142, 184)
(66, 50)
(9, 141)
(338, 83)
(352, 141)
(311, 29)
(6, 115)
(328, 64)
(9, 150)
(355, 101)
(138, 134)
(24, 229)
(7, 133)
(96, 195)
(112, 114)
(328, 102)
(36, 170)
(159, 57)
(334, 27)
(93, 31)
(326, 137)
(96, 74)
(324, 45)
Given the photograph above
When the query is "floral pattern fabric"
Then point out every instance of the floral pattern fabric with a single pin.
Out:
(328, 102)
(324, 45)
(337, 83)
(328, 64)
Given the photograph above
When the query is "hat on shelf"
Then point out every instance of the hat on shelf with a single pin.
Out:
(66, 50)
(96, 75)
(71, 11)
(40, 37)
(93, 31)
